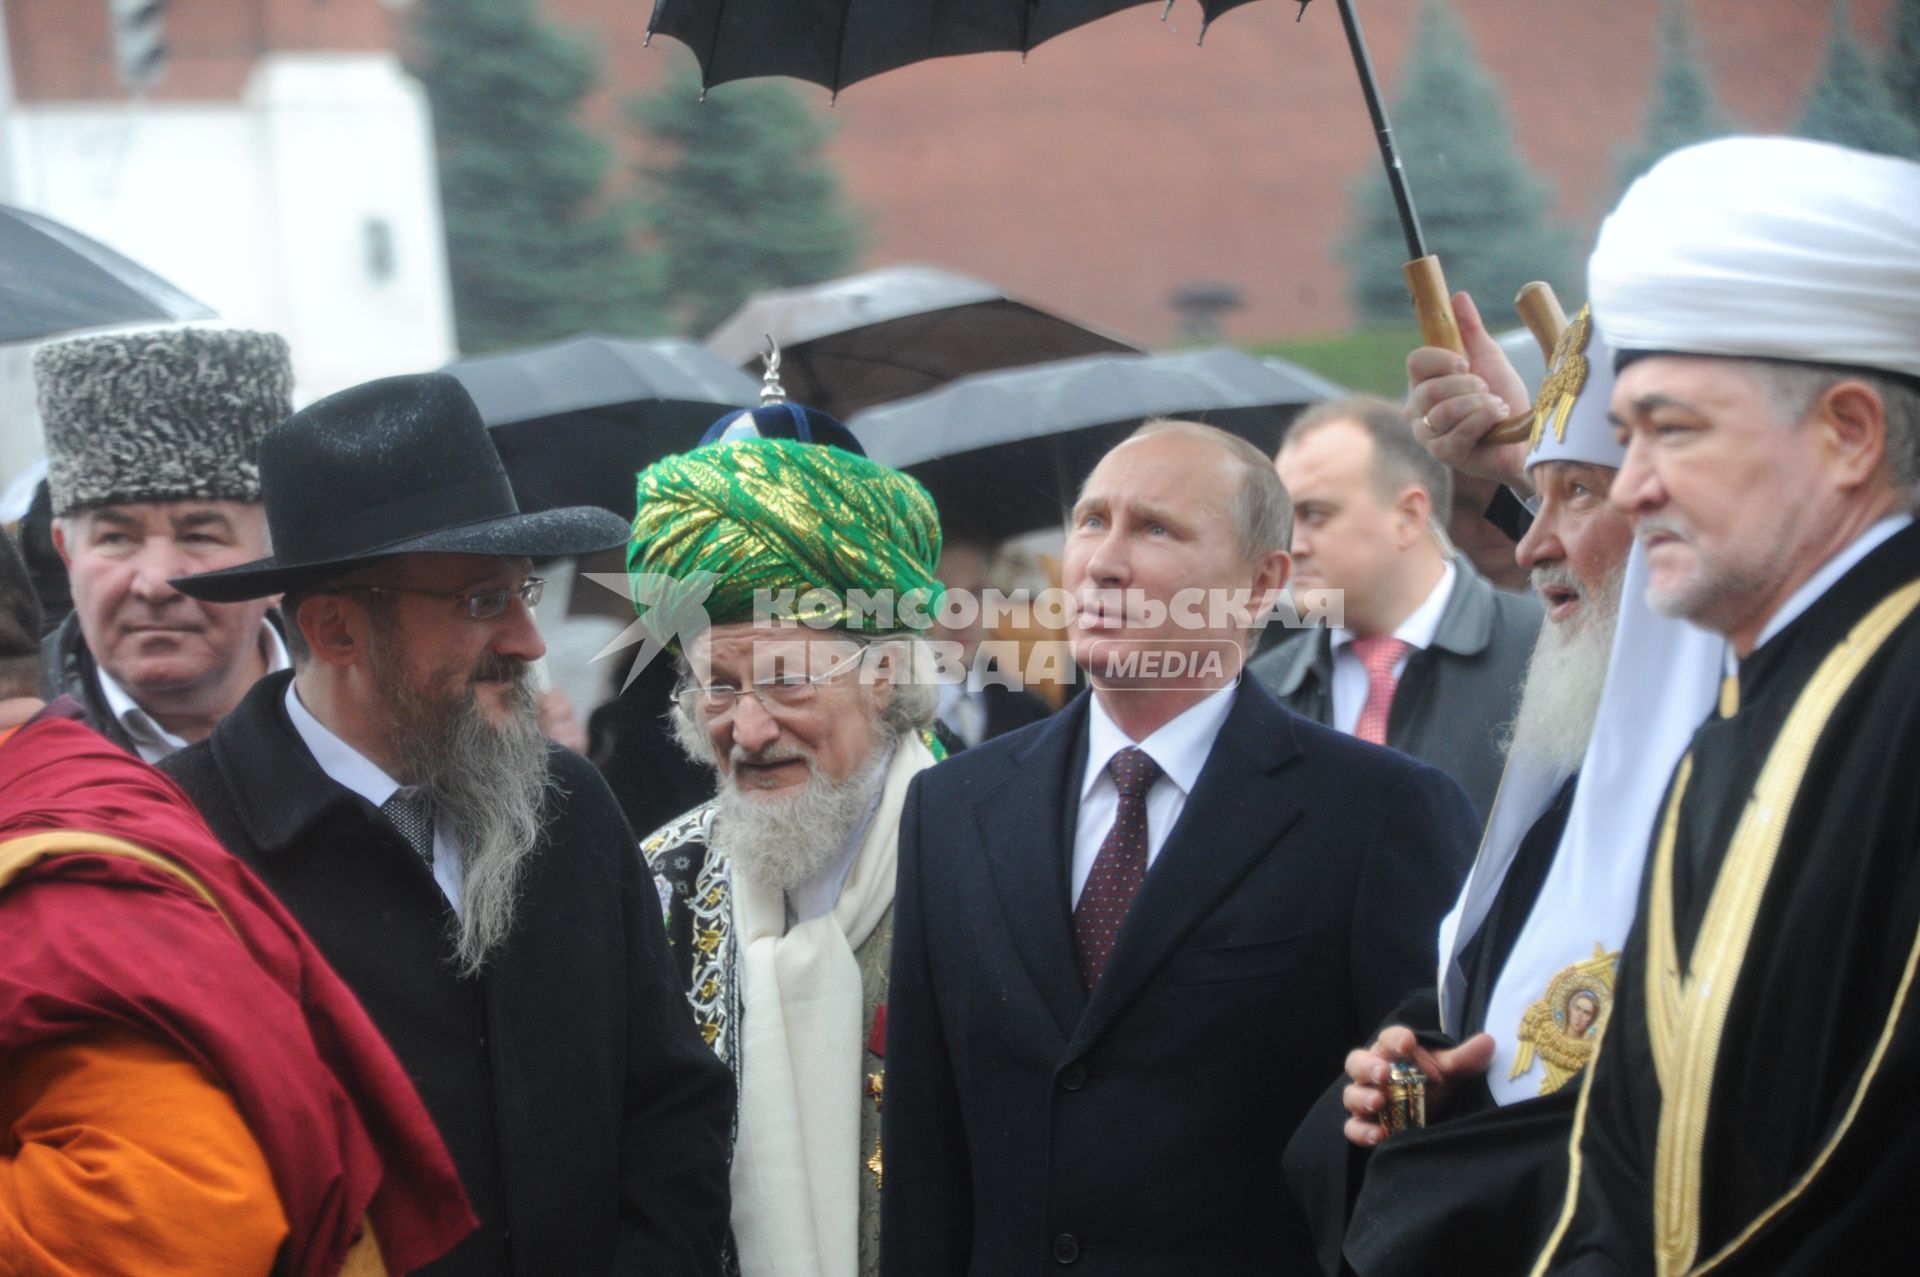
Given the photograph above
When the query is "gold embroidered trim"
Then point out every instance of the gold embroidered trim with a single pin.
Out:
(709, 905)
(876, 1161)
(1573, 1155)
(1686, 1015)
(1846, 1121)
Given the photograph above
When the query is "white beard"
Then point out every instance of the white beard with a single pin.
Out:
(1565, 677)
(786, 839)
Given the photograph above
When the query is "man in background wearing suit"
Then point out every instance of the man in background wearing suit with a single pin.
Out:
(1132, 941)
(1428, 657)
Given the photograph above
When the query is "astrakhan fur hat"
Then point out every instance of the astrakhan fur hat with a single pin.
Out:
(168, 415)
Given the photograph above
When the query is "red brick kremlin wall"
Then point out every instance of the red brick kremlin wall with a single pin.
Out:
(1120, 161)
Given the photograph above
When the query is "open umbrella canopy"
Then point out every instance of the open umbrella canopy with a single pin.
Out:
(827, 42)
(835, 43)
(868, 339)
(1005, 452)
(55, 280)
(576, 420)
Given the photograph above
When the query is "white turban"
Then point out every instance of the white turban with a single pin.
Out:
(1767, 248)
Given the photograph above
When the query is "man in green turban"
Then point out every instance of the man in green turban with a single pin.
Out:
(792, 579)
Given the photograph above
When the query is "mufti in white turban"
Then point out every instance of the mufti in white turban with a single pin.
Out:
(1766, 248)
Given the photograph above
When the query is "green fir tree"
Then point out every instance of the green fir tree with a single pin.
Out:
(1851, 104)
(1683, 110)
(535, 248)
(742, 199)
(1903, 58)
(1484, 211)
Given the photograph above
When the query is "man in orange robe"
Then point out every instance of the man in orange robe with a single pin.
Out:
(188, 1086)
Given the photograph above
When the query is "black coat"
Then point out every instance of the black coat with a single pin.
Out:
(67, 669)
(1454, 697)
(1011, 708)
(1139, 1132)
(1807, 1138)
(589, 1122)
(1478, 1189)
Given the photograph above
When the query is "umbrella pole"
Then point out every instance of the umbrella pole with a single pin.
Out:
(1425, 281)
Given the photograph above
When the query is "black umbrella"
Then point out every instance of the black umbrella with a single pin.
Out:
(1005, 452)
(837, 42)
(576, 420)
(868, 339)
(55, 280)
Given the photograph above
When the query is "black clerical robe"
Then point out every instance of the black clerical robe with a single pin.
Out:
(1760, 1118)
(1478, 1189)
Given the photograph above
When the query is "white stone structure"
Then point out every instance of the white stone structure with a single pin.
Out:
(308, 206)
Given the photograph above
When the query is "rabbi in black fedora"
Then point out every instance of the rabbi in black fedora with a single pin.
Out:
(476, 886)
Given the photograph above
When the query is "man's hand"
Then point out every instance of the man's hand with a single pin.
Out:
(1367, 1096)
(1453, 402)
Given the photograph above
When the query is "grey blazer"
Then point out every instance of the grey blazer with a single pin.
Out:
(1455, 696)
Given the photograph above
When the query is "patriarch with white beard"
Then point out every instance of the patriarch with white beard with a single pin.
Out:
(1568, 672)
(1524, 960)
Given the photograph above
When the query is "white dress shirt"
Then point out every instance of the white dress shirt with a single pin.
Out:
(152, 740)
(1350, 676)
(1180, 747)
(353, 769)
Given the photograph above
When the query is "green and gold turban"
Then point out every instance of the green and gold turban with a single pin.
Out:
(733, 524)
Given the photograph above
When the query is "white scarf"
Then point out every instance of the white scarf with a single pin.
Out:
(796, 1166)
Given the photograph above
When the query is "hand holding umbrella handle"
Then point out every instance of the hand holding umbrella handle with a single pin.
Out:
(1540, 310)
(1432, 304)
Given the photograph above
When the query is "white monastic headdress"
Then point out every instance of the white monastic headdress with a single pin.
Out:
(1570, 421)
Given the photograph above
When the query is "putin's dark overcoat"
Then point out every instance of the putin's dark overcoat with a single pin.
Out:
(1029, 1127)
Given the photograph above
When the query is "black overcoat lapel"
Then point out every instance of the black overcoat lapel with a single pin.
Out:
(1022, 820)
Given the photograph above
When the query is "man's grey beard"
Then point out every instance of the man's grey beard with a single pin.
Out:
(489, 781)
(1560, 699)
(784, 838)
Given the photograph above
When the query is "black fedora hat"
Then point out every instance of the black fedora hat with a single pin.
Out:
(402, 465)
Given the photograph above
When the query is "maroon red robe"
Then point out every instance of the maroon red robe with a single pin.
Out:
(94, 939)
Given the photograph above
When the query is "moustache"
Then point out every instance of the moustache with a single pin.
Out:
(1550, 576)
(1654, 524)
(775, 753)
(495, 668)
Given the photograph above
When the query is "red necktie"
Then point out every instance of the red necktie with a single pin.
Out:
(1378, 656)
(1118, 870)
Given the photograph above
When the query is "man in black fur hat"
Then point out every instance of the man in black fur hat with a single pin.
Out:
(150, 446)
